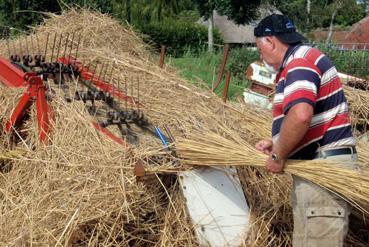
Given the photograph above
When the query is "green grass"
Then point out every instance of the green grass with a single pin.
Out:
(202, 70)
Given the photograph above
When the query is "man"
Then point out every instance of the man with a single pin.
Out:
(310, 121)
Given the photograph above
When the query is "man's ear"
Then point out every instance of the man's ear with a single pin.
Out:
(270, 41)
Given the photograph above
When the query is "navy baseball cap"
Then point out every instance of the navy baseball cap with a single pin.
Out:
(281, 27)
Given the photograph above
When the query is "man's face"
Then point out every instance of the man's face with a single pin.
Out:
(265, 47)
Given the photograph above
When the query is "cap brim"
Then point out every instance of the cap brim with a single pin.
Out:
(290, 38)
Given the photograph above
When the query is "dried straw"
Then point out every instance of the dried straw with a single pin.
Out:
(210, 148)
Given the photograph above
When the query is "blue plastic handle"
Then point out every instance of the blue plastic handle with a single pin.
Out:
(161, 137)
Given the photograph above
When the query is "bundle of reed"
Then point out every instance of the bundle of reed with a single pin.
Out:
(212, 149)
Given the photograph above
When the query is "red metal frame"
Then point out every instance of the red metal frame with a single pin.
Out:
(88, 75)
(10, 75)
(35, 93)
(109, 134)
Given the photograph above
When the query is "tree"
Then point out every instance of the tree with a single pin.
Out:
(20, 14)
(100, 5)
(140, 12)
(312, 14)
(240, 11)
(336, 6)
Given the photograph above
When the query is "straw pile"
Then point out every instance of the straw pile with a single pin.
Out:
(80, 189)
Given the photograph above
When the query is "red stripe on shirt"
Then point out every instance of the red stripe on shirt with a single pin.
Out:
(319, 130)
(300, 62)
(313, 54)
(299, 94)
(330, 87)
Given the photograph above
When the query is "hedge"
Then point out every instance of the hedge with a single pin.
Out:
(178, 36)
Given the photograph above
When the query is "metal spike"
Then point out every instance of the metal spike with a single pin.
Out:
(26, 40)
(79, 41)
(71, 46)
(126, 89)
(66, 45)
(20, 48)
(47, 43)
(52, 51)
(32, 44)
(14, 48)
(101, 69)
(8, 46)
(104, 76)
(93, 73)
(111, 77)
(111, 72)
(106, 83)
(132, 94)
(38, 45)
(83, 65)
(4, 35)
(118, 88)
(60, 40)
(99, 78)
(138, 94)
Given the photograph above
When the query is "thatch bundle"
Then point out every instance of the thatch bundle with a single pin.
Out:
(80, 189)
(210, 148)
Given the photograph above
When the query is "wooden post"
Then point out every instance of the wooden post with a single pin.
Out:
(224, 62)
(226, 86)
(162, 56)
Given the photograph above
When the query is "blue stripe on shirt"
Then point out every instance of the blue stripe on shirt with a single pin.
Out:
(302, 75)
(324, 64)
(330, 102)
(336, 134)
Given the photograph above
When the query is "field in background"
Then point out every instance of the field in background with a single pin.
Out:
(202, 69)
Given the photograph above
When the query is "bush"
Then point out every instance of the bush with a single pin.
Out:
(178, 36)
(354, 62)
(239, 59)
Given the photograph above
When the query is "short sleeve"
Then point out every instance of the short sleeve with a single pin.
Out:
(302, 84)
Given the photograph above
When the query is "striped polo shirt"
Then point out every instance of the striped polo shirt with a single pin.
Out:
(307, 75)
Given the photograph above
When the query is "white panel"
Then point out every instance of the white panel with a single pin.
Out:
(261, 74)
(260, 100)
(217, 206)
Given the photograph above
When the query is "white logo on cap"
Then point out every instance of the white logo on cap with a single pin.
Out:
(289, 25)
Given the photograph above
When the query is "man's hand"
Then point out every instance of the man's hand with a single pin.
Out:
(264, 146)
(275, 166)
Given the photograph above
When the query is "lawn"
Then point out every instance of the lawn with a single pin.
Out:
(203, 69)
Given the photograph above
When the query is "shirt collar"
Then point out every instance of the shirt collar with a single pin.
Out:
(291, 49)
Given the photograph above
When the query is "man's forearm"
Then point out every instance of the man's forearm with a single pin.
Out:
(293, 129)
